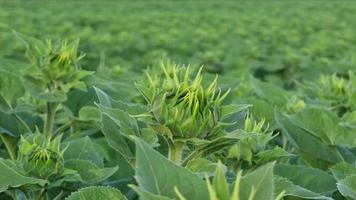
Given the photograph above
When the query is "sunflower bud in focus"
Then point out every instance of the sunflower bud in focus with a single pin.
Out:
(41, 158)
(180, 105)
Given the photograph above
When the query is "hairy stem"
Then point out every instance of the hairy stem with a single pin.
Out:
(49, 123)
(175, 151)
(10, 146)
(37, 195)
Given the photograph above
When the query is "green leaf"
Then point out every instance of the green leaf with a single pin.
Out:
(11, 86)
(271, 155)
(259, 182)
(220, 183)
(241, 151)
(112, 159)
(269, 92)
(83, 149)
(145, 195)
(158, 175)
(56, 96)
(293, 190)
(103, 98)
(89, 172)
(9, 125)
(347, 186)
(307, 143)
(11, 178)
(116, 138)
(96, 193)
(89, 113)
(202, 167)
(325, 125)
(342, 170)
(228, 111)
(310, 178)
(37, 88)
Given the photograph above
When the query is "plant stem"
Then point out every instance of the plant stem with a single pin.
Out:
(48, 126)
(175, 151)
(59, 196)
(10, 146)
(37, 195)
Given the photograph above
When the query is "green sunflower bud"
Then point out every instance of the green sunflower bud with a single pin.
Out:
(41, 158)
(54, 68)
(181, 105)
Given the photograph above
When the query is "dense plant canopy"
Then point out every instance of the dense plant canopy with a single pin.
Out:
(183, 100)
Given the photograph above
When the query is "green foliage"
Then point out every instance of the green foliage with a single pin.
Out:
(270, 115)
(157, 175)
(11, 176)
(181, 107)
(103, 193)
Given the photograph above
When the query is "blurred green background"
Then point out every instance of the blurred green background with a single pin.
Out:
(278, 41)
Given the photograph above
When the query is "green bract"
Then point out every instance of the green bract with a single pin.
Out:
(180, 105)
(41, 158)
(54, 68)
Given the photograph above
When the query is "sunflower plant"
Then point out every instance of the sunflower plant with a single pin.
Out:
(184, 110)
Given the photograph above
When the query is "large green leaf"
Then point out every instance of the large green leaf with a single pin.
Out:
(83, 149)
(325, 125)
(293, 190)
(259, 182)
(307, 143)
(11, 176)
(158, 175)
(97, 193)
(312, 179)
(89, 172)
(116, 138)
(112, 159)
